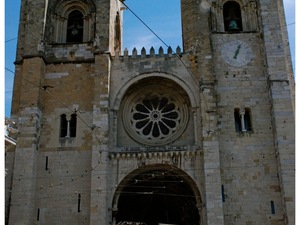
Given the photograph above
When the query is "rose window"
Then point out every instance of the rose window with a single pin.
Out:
(155, 117)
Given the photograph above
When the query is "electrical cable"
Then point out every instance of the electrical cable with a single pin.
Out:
(65, 197)
(192, 76)
(45, 88)
(187, 69)
(65, 105)
(62, 182)
(9, 40)
(178, 57)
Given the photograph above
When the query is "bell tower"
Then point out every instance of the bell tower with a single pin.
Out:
(197, 136)
(64, 52)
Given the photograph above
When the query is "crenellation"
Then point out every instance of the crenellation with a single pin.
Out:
(203, 134)
(152, 52)
(143, 54)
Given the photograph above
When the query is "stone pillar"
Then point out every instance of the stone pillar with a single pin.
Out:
(208, 100)
(27, 109)
(211, 156)
(281, 93)
(22, 209)
(99, 174)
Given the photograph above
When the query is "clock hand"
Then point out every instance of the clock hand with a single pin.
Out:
(237, 52)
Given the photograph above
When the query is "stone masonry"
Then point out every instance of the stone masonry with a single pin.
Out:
(178, 136)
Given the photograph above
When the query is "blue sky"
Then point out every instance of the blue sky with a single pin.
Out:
(163, 17)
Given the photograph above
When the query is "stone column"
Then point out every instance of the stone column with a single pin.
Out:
(99, 174)
(281, 93)
(27, 109)
(211, 155)
(209, 137)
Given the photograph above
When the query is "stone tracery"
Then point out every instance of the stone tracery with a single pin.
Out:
(155, 117)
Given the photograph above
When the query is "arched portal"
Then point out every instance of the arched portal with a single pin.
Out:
(159, 194)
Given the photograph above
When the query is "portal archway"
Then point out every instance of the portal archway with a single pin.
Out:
(158, 194)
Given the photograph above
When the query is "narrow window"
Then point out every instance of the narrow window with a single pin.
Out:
(223, 194)
(75, 27)
(247, 119)
(79, 202)
(272, 207)
(117, 33)
(73, 124)
(38, 215)
(242, 119)
(63, 125)
(46, 166)
(237, 120)
(232, 16)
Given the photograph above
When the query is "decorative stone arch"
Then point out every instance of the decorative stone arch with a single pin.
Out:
(177, 80)
(248, 14)
(158, 193)
(155, 109)
(242, 3)
(60, 16)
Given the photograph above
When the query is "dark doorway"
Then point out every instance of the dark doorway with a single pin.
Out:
(158, 196)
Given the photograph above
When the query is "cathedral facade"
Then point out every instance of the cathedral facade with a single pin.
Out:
(202, 135)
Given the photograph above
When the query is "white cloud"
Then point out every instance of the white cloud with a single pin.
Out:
(139, 41)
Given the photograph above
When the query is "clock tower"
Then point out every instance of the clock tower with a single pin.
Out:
(202, 135)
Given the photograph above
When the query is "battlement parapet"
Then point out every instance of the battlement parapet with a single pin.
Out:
(152, 53)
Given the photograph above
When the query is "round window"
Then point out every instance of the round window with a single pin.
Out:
(155, 116)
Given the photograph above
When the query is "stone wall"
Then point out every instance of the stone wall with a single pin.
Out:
(237, 176)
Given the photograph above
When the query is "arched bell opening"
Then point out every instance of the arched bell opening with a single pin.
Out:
(155, 195)
(72, 22)
(232, 16)
(75, 27)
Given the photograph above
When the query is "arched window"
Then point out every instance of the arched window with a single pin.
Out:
(68, 127)
(73, 21)
(73, 124)
(232, 16)
(237, 119)
(247, 119)
(242, 120)
(75, 27)
(63, 125)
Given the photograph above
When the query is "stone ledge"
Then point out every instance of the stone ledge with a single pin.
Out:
(157, 152)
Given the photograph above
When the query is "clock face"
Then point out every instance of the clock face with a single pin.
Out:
(236, 53)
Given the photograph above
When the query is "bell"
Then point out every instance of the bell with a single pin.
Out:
(233, 25)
